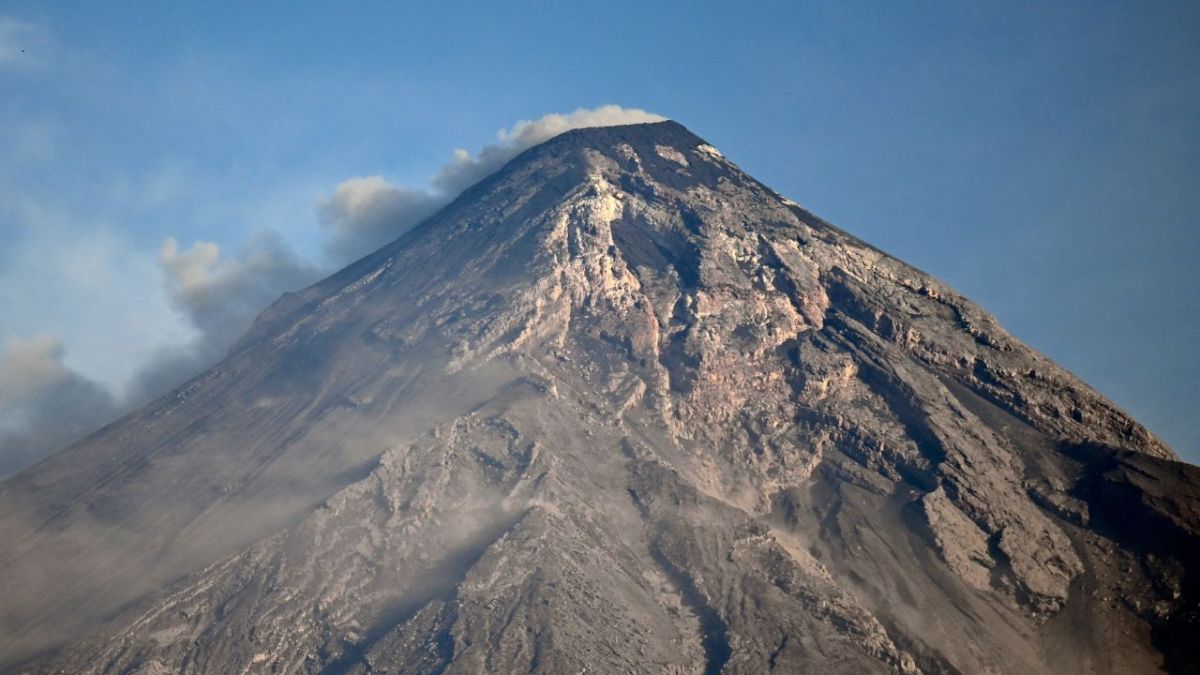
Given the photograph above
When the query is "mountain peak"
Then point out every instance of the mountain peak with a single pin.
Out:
(618, 406)
(655, 142)
(644, 134)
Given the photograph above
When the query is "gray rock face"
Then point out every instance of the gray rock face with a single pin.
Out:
(618, 408)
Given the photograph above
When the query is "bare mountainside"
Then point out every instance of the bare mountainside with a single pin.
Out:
(618, 408)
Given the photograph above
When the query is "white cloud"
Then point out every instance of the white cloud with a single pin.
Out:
(465, 170)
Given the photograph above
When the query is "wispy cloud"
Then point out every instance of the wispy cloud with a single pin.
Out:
(367, 212)
(45, 405)
(22, 42)
(88, 283)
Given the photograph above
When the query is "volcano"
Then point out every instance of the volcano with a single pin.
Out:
(617, 408)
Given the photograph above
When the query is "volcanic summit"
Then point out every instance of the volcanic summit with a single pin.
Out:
(617, 408)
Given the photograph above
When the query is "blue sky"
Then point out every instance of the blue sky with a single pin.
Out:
(1043, 160)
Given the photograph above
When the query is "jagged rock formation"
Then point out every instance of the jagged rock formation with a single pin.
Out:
(618, 408)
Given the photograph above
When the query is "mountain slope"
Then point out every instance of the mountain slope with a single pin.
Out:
(618, 407)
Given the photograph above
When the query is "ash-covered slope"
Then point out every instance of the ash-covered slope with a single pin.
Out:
(618, 408)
